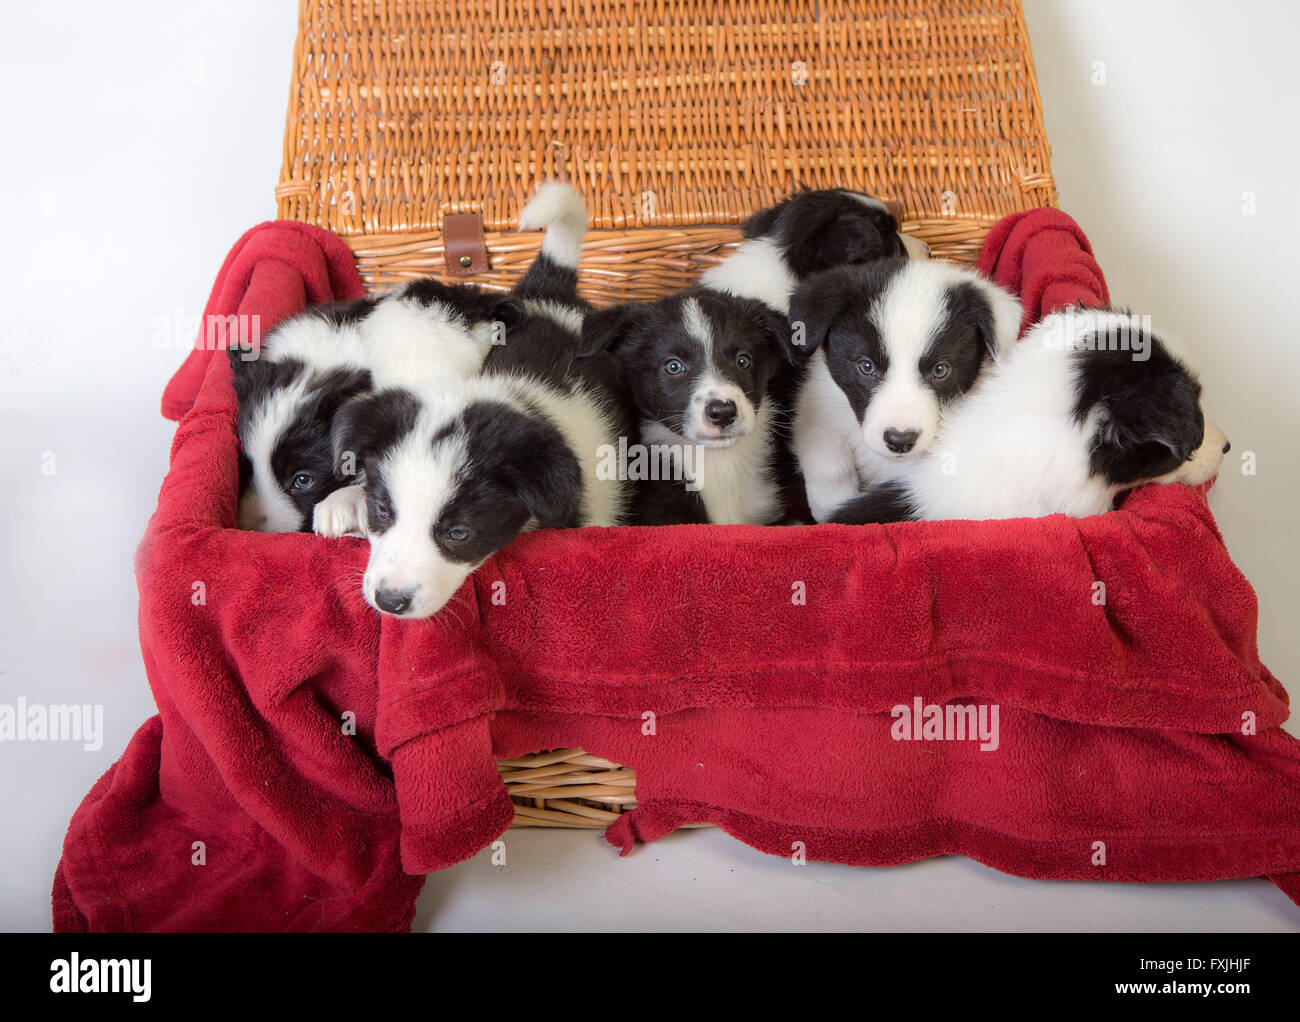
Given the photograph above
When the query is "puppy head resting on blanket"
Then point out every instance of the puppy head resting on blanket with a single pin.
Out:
(452, 471)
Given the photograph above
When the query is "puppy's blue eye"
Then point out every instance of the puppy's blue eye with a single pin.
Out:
(458, 533)
(940, 370)
(674, 367)
(866, 367)
(743, 361)
(303, 481)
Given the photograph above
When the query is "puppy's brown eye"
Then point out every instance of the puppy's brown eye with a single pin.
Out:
(743, 361)
(866, 367)
(940, 370)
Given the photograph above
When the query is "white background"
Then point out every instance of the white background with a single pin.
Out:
(141, 144)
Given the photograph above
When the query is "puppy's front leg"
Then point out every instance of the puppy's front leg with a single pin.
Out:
(830, 479)
(826, 462)
(342, 513)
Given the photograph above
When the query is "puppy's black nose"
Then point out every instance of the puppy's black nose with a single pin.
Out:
(901, 442)
(720, 413)
(394, 601)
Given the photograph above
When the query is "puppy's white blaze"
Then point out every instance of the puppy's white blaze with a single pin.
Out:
(568, 317)
(697, 325)
(412, 343)
(756, 269)
(912, 310)
(559, 209)
(265, 507)
(419, 478)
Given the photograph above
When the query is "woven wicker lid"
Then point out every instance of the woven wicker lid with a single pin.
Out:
(668, 115)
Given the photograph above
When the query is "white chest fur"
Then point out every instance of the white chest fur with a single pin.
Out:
(737, 484)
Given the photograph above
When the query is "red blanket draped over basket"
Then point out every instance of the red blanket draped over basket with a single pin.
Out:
(309, 762)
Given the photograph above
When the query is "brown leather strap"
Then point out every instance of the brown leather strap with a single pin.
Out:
(895, 209)
(463, 249)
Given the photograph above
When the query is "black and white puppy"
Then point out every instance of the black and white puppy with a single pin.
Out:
(712, 369)
(313, 362)
(809, 232)
(700, 366)
(1089, 404)
(896, 345)
(454, 471)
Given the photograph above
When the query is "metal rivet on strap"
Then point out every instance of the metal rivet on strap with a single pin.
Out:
(466, 261)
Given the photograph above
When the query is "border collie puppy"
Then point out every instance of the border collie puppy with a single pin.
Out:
(1089, 404)
(809, 232)
(895, 346)
(453, 472)
(699, 365)
(712, 369)
(313, 362)
(285, 407)
(421, 333)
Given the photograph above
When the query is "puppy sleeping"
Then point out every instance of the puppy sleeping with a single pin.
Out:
(454, 471)
(313, 362)
(1089, 404)
(809, 232)
(896, 345)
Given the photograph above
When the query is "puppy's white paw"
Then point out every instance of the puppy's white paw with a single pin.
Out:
(342, 513)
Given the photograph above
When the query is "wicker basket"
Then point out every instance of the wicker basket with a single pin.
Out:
(677, 120)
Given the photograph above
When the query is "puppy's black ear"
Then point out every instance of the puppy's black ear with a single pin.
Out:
(859, 235)
(336, 388)
(1163, 410)
(529, 456)
(367, 424)
(549, 482)
(507, 311)
(1150, 418)
(606, 329)
(814, 308)
(764, 221)
(994, 313)
(255, 378)
(777, 328)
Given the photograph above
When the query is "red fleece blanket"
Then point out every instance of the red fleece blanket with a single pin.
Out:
(309, 762)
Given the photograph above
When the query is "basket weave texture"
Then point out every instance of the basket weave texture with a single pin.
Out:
(677, 120)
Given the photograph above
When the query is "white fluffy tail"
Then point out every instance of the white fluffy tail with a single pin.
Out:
(559, 209)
